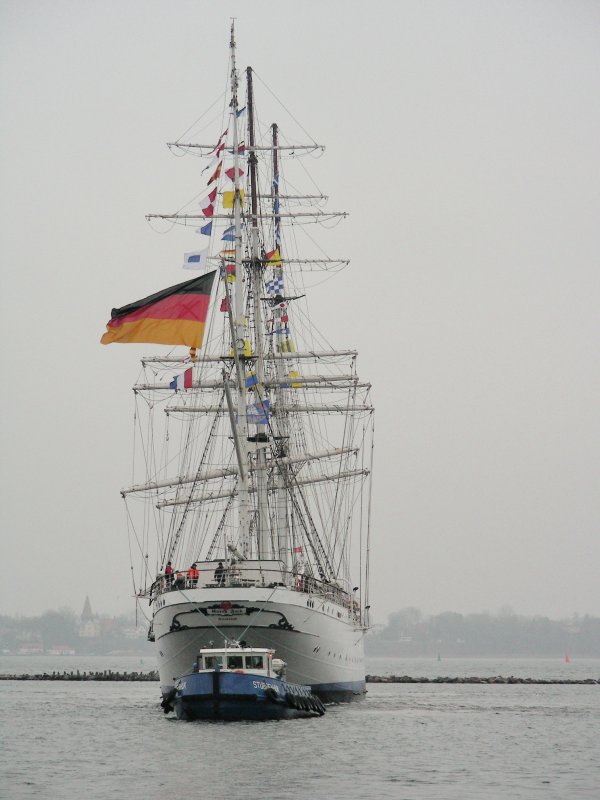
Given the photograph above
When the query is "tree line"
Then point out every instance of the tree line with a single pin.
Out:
(409, 632)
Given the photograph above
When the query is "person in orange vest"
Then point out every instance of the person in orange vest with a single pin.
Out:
(192, 575)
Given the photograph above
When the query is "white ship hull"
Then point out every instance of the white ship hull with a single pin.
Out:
(320, 640)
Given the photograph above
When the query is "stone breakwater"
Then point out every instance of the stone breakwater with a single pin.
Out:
(109, 675)
(474, 679)
(105, 675)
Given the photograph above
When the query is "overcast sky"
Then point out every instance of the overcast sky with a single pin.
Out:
(461, 136)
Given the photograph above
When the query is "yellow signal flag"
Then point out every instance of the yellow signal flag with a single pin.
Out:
(287, 346)
(294, 374)
(274, 258)
(229, 197)
(247, 349)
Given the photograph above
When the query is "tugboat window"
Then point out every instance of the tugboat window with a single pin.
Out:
(212, 662)
(254, 662)
(235, 662)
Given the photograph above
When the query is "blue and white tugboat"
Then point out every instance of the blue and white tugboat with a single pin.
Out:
(235, 682)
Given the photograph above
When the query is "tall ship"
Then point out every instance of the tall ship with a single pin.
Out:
(249, 508)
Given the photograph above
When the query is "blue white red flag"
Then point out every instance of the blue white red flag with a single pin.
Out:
(182, 381)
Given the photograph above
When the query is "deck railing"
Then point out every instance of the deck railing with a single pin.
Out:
(252, 574)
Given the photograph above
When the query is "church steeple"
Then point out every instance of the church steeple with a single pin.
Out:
(86, 614)
(89, 626)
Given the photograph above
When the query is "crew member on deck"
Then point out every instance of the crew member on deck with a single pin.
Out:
(169, 574)
(192, 576)
(179, 580)
(220, 574)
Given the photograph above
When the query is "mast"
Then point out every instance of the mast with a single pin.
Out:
(256, 271)
(283, 427)
(238, 305)
(285, 484)
(277, 217)
(277, 507)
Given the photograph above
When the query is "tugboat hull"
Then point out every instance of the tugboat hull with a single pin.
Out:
(242, 696)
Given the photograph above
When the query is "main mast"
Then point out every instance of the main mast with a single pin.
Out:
(270, 496)
(256, 271)
(283, 428)
(241, 425)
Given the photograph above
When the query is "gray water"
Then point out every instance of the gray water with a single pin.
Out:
(407, 741)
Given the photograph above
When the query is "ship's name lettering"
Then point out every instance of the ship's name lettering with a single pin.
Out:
(226, 612)
(263, 685)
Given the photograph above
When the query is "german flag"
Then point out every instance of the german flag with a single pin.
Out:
(173, 316)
